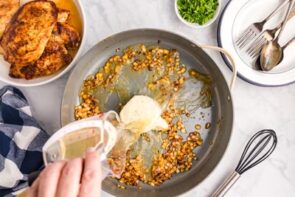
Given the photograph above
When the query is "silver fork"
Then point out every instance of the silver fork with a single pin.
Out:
(255, 29)
(266, 35)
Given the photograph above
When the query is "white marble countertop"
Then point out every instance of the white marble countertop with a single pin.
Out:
(255, 107)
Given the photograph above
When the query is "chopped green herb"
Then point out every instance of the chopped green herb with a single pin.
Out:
(197, 11)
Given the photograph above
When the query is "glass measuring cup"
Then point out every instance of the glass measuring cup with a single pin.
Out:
(73, 140)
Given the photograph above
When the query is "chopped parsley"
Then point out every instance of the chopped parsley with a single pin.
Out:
(197, 11)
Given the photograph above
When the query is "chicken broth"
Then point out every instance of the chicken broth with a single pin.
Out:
(76, 144)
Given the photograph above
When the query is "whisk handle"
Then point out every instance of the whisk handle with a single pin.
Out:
(226, 185)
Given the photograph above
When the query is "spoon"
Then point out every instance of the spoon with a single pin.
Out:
(257, 64)
(272, 53)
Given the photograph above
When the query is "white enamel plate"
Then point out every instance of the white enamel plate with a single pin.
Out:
(237, 16)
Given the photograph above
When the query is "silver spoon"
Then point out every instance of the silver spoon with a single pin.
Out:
(272, 53)
(257, 64)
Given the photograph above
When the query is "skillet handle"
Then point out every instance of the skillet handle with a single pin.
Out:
(231, 59)
(226, 185)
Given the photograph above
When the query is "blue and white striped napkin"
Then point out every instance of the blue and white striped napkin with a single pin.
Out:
(21, 141)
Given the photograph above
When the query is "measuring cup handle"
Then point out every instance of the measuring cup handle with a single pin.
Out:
(231, 59)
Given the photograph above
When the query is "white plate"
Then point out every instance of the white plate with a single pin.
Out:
(237, 16)
(4, 66)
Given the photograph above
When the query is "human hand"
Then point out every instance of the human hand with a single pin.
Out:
(78, 177)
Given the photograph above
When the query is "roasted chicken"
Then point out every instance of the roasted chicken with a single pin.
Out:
(55, 57)
(63, 15)
(7, 10)
(38, 41)
(27, 34)
(66, 34)
(57, 52)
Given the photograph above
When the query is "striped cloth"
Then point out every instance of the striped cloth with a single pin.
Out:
(21, 141)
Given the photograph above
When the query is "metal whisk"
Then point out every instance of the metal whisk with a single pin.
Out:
(259, 147)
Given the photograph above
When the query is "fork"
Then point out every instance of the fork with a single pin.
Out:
(266, 35)
(253, 30)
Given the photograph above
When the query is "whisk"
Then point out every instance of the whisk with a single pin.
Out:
(259, 147)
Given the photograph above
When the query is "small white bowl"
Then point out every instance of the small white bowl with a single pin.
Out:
(4, 66)
(195, 25)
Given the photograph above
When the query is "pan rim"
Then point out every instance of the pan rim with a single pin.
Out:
(231, 104)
